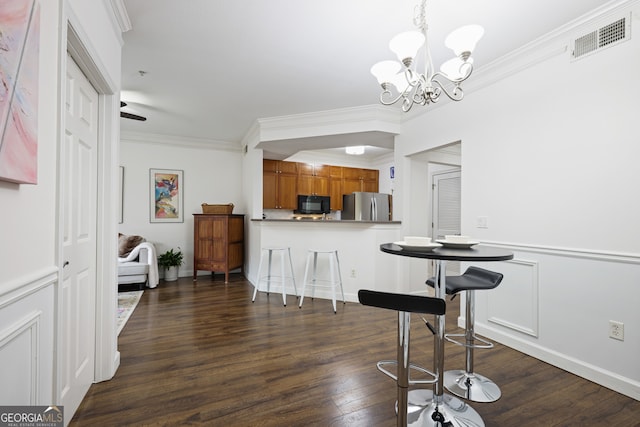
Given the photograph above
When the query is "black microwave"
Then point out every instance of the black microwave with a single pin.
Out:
(313, 204)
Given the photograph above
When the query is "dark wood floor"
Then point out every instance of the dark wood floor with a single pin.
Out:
(206, 355)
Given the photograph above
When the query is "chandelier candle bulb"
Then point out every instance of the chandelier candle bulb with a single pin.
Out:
(385, 71)
(405, 46)
(463, 40)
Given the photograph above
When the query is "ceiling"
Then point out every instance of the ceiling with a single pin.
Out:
(210, 68)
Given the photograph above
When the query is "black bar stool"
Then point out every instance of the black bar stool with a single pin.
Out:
(404, 305)
(466, 383)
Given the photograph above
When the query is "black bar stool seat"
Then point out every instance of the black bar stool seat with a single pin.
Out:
(466, 383)
(404, 305)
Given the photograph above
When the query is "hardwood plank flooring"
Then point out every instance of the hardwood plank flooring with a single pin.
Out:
(205, 355)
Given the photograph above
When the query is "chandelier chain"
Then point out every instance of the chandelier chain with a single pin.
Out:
(420, 16)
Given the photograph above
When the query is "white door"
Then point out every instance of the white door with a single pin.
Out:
(446, 204)
(77, 302)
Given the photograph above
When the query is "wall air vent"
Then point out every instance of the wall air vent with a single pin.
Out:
(606, 36)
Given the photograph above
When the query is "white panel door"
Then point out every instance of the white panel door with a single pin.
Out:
(446, 209)
(78, 290)
(446, 204)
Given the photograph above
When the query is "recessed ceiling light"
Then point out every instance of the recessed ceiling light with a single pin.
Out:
(355, 150)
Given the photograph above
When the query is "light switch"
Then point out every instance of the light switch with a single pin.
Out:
(482, 222)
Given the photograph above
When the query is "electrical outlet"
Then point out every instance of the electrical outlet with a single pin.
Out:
(353, 273)
(482, 222)
(616, 330)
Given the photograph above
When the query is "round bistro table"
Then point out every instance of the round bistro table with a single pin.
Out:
(434, 407)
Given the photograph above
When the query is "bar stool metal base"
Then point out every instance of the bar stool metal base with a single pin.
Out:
(451, 411)
(474, 387)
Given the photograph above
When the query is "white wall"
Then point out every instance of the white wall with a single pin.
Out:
(549, 156)
(212, 174)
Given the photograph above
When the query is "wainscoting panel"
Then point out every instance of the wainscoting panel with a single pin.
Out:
(19, 344)
(555, 304)
(514, 303)
(27, 339)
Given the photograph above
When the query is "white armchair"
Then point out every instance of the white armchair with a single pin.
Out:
(137, 262)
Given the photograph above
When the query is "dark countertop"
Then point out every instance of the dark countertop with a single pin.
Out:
(326, 221)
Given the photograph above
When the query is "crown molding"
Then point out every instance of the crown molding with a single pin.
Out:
(121, 15)
(179, 141)
(252, 137)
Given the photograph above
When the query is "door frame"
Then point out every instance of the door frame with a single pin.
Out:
(75, 40)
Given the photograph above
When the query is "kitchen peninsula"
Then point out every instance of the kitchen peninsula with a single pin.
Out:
(357, 242)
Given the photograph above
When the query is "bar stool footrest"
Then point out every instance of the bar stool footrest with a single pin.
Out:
(486, 344)
(380, 365)
(471, 386)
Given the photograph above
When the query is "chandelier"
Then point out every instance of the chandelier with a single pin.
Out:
(403, 81)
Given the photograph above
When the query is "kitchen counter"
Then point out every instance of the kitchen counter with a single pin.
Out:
(362, 263)
(326, 221)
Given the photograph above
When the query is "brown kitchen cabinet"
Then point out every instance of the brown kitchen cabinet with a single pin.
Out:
(370, 178)
(279, 184)
(335, 187)
(313, 179)
(357, 179)
(218, 243)
(282, 181)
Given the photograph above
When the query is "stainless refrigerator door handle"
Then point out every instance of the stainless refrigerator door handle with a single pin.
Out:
(374, 205)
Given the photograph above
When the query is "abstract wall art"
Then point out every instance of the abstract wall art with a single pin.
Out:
(19, 55)
(166, 193)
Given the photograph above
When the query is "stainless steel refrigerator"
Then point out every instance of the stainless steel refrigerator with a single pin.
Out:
(362, 206)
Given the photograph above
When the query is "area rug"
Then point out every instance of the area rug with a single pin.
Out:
(127, 302)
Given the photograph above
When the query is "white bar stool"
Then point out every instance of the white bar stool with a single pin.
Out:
(284, 253)
(335, 278)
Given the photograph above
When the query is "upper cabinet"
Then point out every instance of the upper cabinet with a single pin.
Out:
(335, 187)
(313, 179)
(356, 179)
(283, 181)
(279, 184)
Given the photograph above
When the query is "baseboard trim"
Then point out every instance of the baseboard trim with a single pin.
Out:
(593, 373)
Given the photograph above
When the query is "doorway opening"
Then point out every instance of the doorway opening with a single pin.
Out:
(441, 169)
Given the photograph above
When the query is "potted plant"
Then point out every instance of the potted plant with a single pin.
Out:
(170, 261)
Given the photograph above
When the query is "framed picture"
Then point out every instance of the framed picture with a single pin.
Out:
(166, 195)
(19, 71)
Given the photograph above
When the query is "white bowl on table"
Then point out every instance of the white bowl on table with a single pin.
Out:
(456, 241)
(417, 241)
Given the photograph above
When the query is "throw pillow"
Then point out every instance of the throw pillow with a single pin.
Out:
(127, 243)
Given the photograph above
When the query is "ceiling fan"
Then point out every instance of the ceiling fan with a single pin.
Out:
(130, 115)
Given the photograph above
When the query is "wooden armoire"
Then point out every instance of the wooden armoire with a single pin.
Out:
(218, 243)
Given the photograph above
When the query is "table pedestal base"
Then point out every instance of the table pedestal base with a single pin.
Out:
(452, 411)
(474, 387)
